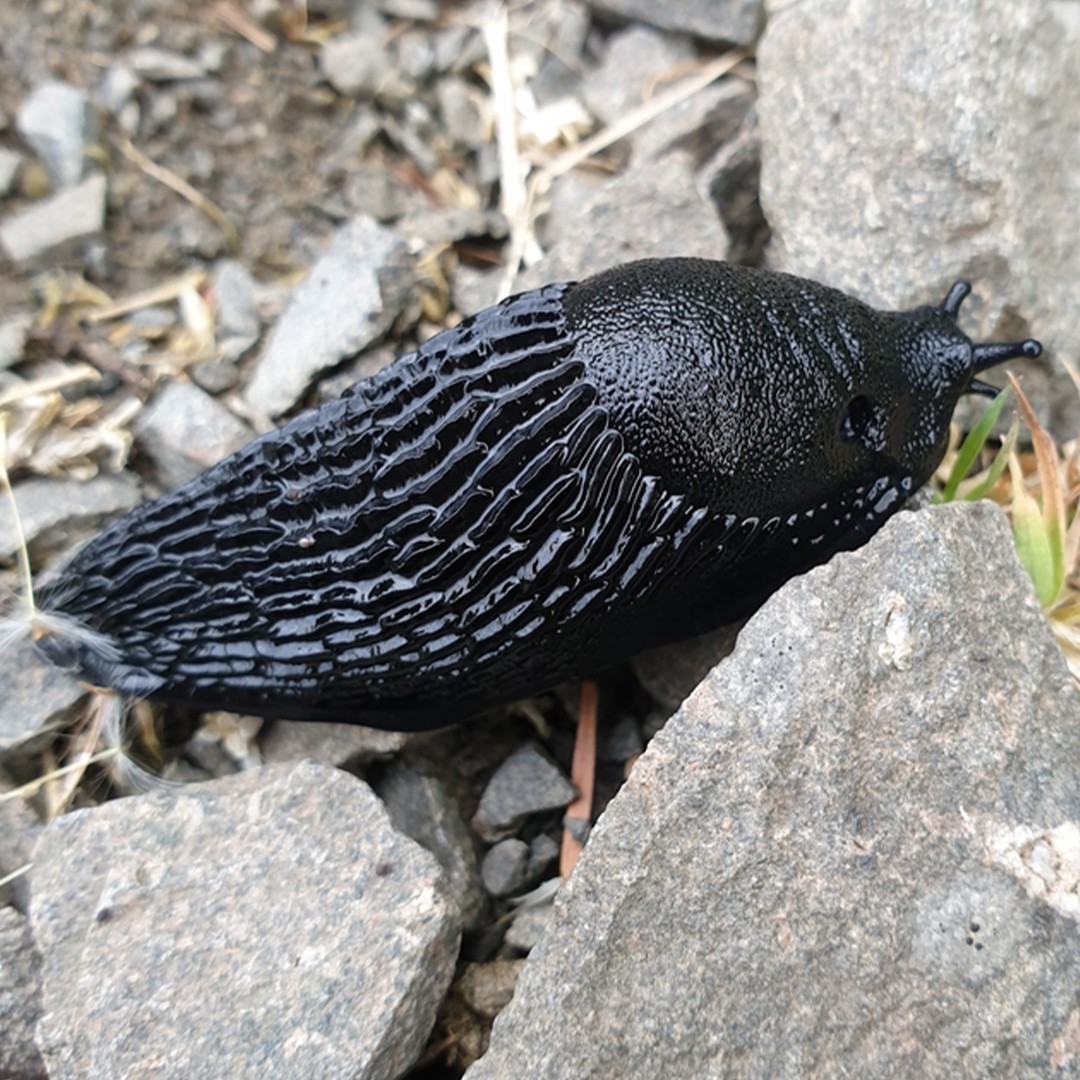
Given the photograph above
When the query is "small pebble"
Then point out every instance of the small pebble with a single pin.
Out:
(526, 783)
(528, 927)
(56, 121)
(505, 867)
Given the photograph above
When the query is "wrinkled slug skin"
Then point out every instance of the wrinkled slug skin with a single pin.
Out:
(576, 474)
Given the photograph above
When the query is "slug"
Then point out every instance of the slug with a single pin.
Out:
(574, 475)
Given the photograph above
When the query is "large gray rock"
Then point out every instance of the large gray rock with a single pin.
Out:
(348, 301)
(851, 853)
(911, 143)
(269, 924)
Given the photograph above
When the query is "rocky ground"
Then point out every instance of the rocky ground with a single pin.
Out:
(854, 850)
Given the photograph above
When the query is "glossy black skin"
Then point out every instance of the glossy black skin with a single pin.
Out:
(579, 473)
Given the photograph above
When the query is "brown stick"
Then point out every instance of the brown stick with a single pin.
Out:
(583, 776)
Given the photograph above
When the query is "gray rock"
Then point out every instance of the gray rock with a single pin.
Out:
(528, 928)
(651, 211)
(117, 88)
(526, 783)
(10, 160)
(846, 854)
(271, 923)
(57, 122)
(50, 225)
(20, 999)
(733, 22)
(488, 988)
(184, 431)
(505, 867)
(54, 512)
(907, 145)
(326, 743)
(13, 335)
(347, 302)
(543, 851)
(421, 807)
(620, 741)
(38, 699)
(19, 830)
(160, 65)
(671, 673)
(236, 309)
(634, 59)
(356, 65)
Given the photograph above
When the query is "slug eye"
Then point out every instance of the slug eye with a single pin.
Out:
(862, 423)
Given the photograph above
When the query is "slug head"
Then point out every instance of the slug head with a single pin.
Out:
(934, 365)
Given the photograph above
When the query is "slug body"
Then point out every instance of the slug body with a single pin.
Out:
(569, 477)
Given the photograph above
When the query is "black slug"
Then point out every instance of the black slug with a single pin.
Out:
(574, 475)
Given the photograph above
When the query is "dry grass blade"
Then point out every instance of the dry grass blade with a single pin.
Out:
(49, 384)
(183, 189)
(512, 195)
(16, 874)
(1047, 463)
(237, 20)
(166, 293)
(32, 787)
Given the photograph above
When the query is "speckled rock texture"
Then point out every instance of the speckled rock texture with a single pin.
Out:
(906, 146)
(855, 851)
(268, 925)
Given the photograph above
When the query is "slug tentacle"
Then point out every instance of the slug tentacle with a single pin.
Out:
(569, 477)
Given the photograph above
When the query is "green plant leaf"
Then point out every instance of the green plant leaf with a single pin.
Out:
(971, 447)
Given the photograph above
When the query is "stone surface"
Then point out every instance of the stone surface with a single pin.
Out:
(505, 867)
(526, 783)
(651, 211)
(347, 302)
(635, 58)
(36, 698)
(162, 65)
(328, 744)
(829, 862)
(269, 924)
(671, 673)
(236, 315)
(53, 511)
(56, 122)
(729, 21)
(909, 144)
(529, 926)
(355, 65)
(184, 431)
(20, 999)
(19, 830)
(48, 226)
(421, 807)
